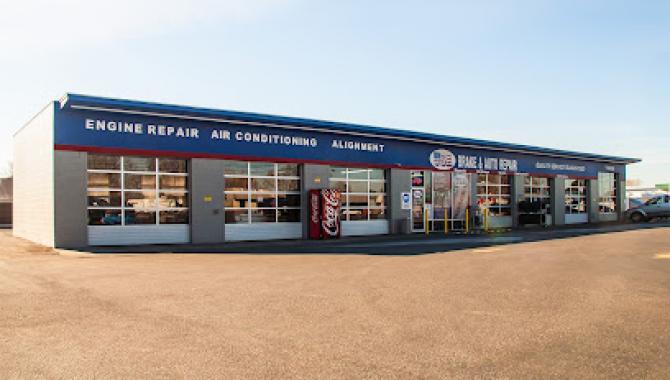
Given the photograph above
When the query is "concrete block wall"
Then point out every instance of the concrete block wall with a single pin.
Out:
(33, 208)
(557, 192)
(398, 181)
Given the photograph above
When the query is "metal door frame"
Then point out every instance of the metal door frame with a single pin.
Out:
(423, 207)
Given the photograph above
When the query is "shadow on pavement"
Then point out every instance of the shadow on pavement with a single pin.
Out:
(416, 244)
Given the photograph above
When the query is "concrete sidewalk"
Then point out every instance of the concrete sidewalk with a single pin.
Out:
(414, 244)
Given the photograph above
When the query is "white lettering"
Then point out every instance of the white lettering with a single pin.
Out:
(357, 145)
(129, 127)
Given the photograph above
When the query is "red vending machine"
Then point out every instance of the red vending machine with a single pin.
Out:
(315, 214)
(324, 214)
(331, 204)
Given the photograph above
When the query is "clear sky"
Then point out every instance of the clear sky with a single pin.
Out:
(589, 76)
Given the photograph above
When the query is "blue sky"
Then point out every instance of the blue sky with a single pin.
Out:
(580, 75)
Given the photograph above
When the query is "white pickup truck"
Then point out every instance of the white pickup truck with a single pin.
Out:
(656, 207)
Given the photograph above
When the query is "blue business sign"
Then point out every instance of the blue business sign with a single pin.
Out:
(235, 139)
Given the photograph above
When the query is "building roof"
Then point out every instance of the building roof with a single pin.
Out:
(204, 114)
(6, 189)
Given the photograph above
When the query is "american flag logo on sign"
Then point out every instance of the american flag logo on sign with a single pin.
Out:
(443, 159)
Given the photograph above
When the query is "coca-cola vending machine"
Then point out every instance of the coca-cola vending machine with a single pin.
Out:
(324, 214)
(315, 214)
(330, 213)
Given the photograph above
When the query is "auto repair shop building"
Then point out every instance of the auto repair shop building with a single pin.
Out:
(99, 171)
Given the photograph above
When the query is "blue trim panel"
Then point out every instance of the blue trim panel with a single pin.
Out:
(84, 100)
(110, 131)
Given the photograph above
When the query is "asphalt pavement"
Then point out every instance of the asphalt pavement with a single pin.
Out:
(591, 306)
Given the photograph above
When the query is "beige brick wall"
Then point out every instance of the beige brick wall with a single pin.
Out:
(34, 180)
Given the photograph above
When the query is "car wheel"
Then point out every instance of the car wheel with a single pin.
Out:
(636, 218)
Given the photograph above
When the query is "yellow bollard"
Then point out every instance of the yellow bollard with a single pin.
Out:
(486, 219)
(467, 220)
(446, 222)
(425, 221)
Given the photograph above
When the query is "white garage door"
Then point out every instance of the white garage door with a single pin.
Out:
(263, 231)
(262, 201)
(363, 200)
(367, 227)
(137, 200)
(129, 235)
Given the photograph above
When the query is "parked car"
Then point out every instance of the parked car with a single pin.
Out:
(656, 207)
(635, 202)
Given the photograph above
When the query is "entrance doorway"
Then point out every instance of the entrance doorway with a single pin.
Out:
(418, 204)
(442, 196)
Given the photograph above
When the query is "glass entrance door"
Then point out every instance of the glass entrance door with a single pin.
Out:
(460, 199)
(418, 200)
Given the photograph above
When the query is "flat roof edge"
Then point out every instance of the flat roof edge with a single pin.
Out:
(130, 105)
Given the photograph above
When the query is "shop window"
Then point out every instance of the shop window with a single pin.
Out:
(575, 196)
(493, 192)
(261, 192)
(104, 198)
(133, 190)
(171, 165)
(139, 164)
(173, 217)
(104, 217)
(104, 180)
(363, 192)
(104, 162)
(140, 181)
(607, 192)
(236, 168)
(288, 215)
(536, 195)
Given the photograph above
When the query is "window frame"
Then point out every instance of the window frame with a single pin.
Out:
(579, 195)
(529, 185)
(369, 210)
(250, 192)
(156, 209)
(498, 209)
(610, 197)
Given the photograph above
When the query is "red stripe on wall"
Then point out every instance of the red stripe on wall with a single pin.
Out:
(218, 156)
(163, 153)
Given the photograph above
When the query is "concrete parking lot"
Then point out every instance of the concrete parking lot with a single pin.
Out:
(595, 306)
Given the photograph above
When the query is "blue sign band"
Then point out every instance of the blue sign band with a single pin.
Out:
(106, 131)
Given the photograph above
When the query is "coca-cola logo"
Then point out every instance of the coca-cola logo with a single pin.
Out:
(331, 212)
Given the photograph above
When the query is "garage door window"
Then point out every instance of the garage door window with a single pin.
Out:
(493, 191)
(607, 192)
(537, 193)
(261, 192)
(363, 192)
(133, 190)
(575, 196)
